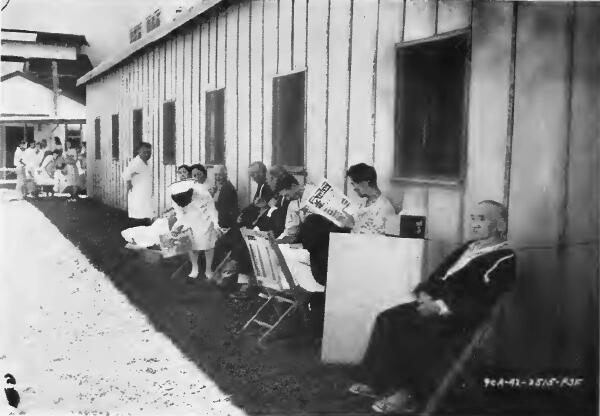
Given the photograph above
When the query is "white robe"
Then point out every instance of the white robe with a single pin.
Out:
(200, 215)
(139, 199)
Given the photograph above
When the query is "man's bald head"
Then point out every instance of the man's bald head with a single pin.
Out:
(220, 173)
(489, 220)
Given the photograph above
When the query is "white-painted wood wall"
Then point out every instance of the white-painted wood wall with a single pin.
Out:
(531, 140)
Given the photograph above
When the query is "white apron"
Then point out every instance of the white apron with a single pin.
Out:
(139, 199)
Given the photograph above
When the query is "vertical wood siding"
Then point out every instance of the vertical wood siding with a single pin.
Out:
(348, 49)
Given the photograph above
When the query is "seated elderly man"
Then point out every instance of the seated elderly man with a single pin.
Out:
(225, 196)
(410, 343)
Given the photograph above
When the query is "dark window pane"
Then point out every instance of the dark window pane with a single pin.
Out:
(288, 120)
(430, 108)
(97, 142)
(215, 127)
(138, 127)
(115, 136)
(169, 133)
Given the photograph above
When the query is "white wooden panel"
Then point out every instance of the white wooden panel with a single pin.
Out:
(186, 97)
(180, 101)
(300, 10)
(420, 19)
(390, 18)
(270, 71)
(316, 81)
(231, 96)
(339, 36)
(353, 302)
(204, 53)
(285, 36)
(213, 50)
(195, 94)
(220, 61)
(362, 103)
(454, 14)
(244, 139)
(256, 80)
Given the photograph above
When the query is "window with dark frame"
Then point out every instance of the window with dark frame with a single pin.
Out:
(97, 142)
(115, 137)
(288, 120)
(215, 127)
(430, 120)
(138, 129)
(169, 143)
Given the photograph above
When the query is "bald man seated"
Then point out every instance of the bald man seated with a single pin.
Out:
(411, 343)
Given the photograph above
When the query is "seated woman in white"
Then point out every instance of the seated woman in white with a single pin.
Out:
(66, 179)
(195, 209)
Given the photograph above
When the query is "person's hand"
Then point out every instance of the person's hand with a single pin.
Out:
(272, 202)
(239, 218)
(346, 220)
(428, 308)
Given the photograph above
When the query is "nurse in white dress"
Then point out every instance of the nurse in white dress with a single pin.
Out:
(138, 176)
(195, 209)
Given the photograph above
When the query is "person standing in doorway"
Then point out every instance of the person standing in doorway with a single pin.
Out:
(138, 176)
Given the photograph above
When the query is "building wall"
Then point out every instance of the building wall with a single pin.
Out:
(532, 100)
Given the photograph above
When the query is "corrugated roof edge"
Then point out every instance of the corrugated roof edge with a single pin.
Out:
(152, 37)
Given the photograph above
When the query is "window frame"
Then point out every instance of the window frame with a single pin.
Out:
(115, 141)
(299, 170)
(135, 145)
(208, 162)
(436, 180)
(97, 138)
(172, 160)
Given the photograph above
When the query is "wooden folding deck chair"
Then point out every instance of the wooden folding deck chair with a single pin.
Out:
(269, 267)
(479, 341)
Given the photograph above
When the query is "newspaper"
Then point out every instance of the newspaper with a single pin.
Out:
(326, 200)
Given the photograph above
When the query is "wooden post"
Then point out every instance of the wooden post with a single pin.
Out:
(55, 85)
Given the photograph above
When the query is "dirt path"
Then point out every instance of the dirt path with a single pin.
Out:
(76, 344)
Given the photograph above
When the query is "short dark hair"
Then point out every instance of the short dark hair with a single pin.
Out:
(183, 199)
(261, 166)
(501, 207)
(144, 144)
(57, 151)
(57, 140)
(186, 167)
(200, 167)
(285, 182)
(362, 172)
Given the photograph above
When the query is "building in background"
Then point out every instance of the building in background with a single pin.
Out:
(38, 91)
(452, 101)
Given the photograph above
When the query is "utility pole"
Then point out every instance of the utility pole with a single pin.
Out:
(55, 85)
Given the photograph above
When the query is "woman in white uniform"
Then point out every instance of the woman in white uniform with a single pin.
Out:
(138, 176)
(195, 209)
(44, 175)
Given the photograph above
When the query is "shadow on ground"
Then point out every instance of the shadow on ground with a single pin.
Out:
(286, 378)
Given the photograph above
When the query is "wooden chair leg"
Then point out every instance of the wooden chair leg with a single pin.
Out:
(289, 310)
(264, 305)
(178, 271)
(449, 378)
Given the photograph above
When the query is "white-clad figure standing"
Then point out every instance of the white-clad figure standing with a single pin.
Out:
(138, 176)
(195, 209)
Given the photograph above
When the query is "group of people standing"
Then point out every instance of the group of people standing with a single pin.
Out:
(47, 167)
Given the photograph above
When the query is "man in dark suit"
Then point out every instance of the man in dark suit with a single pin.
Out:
(258, 173)
(225, 196)
(410, 343)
